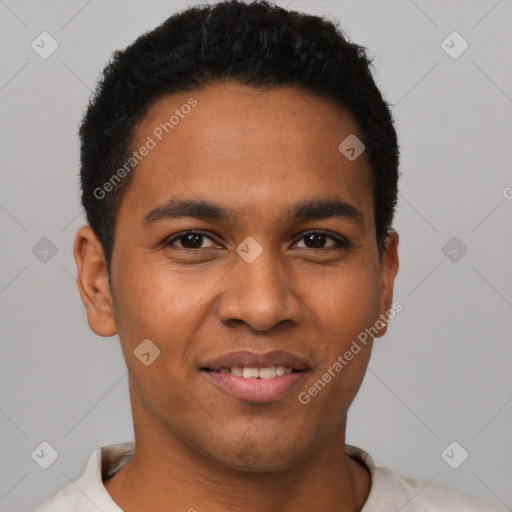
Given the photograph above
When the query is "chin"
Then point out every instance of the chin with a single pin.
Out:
(260, 456)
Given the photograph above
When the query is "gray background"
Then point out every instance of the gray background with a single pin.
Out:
(441, 374)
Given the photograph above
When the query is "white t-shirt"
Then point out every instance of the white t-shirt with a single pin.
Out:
(390, 491)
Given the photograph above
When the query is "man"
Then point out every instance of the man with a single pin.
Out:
(239, 176)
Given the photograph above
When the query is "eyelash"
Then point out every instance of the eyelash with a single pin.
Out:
(341, 242)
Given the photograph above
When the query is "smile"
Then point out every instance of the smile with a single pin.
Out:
(257, 373)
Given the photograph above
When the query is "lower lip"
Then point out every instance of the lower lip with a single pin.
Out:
(257, 390)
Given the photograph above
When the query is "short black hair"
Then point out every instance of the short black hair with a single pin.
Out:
(256, 44)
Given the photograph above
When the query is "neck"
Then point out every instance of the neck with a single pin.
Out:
(167, 475)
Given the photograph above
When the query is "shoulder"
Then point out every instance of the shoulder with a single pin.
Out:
(66, 499)
(87, 493)
(393, 492)
(413, 495)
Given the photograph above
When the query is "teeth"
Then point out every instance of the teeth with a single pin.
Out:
(253, 373)
(268, 373)
(250, 373)
(237, 370)
(280, 370)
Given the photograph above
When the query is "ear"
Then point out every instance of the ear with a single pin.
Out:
(388, 270)
(92, 282)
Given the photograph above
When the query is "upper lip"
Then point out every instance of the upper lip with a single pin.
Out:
(254, 360)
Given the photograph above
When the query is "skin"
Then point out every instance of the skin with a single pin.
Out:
(255, 152)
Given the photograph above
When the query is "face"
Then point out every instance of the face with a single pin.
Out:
(244, 229)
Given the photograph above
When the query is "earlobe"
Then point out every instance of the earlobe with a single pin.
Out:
(389, 269)
(92, 282)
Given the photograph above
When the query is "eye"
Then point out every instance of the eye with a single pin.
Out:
(190, 240)
(316, 240)
(313, 239)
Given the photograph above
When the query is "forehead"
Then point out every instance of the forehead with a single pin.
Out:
(254, 150)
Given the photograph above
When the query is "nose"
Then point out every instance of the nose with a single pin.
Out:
(259, 294)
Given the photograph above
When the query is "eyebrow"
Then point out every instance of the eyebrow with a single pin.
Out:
(315, 209)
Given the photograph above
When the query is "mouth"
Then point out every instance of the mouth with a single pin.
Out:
(257, 377)
(248, 372)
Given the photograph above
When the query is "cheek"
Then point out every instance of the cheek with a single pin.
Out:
(157, 306)
(152, 301)
(167, 307)
(346, 304)
(346, 301)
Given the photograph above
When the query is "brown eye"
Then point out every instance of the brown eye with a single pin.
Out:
(189, 240)
(317, 240)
